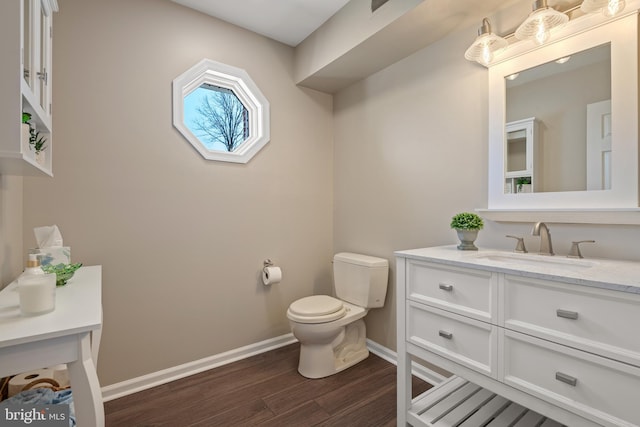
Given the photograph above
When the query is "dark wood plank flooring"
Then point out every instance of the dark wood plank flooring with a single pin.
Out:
(267, 390)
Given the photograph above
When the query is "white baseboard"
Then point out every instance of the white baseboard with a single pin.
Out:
(134, 385)
(424, 373)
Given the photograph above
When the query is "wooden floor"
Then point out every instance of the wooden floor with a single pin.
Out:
(267, 390)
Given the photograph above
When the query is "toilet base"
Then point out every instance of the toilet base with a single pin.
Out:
(325, 359)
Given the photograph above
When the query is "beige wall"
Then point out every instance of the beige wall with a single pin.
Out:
(181, 239)
(411, 151)
(11, 249)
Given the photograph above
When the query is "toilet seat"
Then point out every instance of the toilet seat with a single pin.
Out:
(316, 309)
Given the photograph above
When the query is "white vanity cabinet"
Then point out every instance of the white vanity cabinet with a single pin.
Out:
(25, 86)
(559, 341)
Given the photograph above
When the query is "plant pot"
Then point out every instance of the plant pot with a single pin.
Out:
(41, 158)
(24, 138)
(467, 237)
(524, 188)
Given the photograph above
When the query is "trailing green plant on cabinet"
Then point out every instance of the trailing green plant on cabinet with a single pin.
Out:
(26, 145)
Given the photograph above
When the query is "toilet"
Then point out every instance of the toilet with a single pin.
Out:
(331, 331)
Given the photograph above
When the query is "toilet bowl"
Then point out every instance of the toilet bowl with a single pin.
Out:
(329, 346)
(331, 330)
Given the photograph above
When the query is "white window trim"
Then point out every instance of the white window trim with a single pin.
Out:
(237, 80)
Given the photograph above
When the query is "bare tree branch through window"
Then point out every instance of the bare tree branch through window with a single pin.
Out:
(222, 118)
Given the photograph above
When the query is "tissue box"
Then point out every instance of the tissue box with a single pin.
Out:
(53, 255)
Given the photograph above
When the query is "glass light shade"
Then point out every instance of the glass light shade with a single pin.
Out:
(540, 22)
(486, 45)
(608, 7)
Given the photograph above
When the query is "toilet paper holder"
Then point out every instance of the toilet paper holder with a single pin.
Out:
(270, 273)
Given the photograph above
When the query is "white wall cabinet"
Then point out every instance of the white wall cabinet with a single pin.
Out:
(26, 47)
(521, 159)
(541, 348)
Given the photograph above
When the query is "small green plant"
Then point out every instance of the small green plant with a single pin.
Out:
(521, 181)
(36, 141)
(466, 221)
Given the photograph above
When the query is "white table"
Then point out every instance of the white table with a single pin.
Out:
(70, 334)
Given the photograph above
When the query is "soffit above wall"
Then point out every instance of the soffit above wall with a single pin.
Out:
(345, 42)
(415, 28)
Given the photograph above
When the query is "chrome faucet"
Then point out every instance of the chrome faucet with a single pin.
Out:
(541, 229)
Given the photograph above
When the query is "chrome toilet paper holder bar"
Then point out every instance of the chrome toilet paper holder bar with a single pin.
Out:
(267, 263)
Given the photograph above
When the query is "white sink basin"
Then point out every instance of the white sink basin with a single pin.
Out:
(536, 260)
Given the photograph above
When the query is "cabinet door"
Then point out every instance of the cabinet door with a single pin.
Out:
(44, 72)
(28, 72)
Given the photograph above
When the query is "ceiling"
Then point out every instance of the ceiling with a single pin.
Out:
(287, 21)
(291, 21)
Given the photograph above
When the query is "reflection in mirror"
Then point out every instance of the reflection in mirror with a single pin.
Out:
(216, 117)
(570, 99)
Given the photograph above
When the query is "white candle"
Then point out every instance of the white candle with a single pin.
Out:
(37, 293)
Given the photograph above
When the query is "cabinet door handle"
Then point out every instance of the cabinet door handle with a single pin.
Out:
(445, 334)
(445, 287)
(567, 379)
(567, 314)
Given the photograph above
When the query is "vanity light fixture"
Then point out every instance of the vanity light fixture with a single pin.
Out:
(540, 22)
(486, 45)
(608, 7)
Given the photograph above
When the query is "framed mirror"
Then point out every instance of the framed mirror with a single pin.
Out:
(563, 122)
(220, 111)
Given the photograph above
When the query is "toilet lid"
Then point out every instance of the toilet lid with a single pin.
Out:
(316, 309)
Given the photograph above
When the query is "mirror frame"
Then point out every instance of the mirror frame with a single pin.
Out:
(622, 34)
(238, 81)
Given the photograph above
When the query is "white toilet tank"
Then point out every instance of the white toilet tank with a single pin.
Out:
(360, 279)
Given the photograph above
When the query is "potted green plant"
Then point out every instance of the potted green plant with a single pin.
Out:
(36, 140)
(467, 225)
(523, 180)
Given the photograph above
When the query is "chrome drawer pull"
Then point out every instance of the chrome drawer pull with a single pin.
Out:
(444, 334)
(567, 314)
(445, 287)
(567, 379)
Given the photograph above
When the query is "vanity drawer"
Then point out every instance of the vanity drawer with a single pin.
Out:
(469, 292)
(469, 342)
(595, 387)
(596, 320)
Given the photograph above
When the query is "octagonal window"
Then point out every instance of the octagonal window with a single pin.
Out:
(220, 111)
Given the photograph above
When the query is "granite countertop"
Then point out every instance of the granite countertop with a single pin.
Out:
(610, 274)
